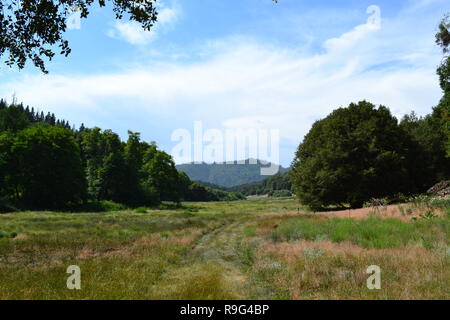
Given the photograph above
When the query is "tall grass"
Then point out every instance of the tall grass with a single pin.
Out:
(369, 233)
(259, 249)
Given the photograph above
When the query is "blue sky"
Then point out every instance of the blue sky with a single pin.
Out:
(239, 64)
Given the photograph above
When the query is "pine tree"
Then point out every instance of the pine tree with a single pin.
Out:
(32, 115)
(3, 104)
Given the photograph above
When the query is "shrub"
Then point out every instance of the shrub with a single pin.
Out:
(280, 193)
(246, 255)
(440, 203)
(5, 234)
(100, 206)
(141, 210)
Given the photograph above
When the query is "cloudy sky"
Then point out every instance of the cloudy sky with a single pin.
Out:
(240, 64)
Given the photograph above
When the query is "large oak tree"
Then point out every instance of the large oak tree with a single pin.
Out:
(352, 155)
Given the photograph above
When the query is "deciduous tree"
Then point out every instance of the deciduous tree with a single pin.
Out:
(350, 156)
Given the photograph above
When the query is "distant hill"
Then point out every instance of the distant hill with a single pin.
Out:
(226, 175)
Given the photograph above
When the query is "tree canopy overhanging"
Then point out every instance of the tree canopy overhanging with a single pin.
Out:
(30, 29)
(443, 109)
(443, 36)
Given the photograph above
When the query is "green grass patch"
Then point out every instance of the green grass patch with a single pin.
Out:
(369, 233)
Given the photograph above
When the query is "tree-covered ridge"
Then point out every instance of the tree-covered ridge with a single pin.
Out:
(46, 165)
(268, 186)
(199, 191)
(226, 175)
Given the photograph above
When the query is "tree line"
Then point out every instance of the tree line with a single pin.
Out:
(363, 151)
(47, 164)
(278, 184)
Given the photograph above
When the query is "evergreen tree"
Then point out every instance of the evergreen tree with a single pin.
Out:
(3, 104)
(13, 118)
(92, 153)
(134, 155)
(32, 115)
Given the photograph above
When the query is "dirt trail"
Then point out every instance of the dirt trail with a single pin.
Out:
(224, 245)
(220, 247)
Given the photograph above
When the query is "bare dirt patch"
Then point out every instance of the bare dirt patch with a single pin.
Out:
(21, 236)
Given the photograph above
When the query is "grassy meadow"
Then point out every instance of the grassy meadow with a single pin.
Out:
(259, 249)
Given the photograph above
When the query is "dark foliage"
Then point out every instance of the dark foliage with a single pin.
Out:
(443, 36)
(199, 192)
(267, 186)
(352, 155)
(46, 165)
(41, 168)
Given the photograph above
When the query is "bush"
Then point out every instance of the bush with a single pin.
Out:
(440, 203)
(141, 210)
(5, 234)
(100, 206)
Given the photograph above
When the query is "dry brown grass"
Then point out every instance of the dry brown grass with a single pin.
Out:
(291, 252)
(392, 211)
(327, 270)
(225, 251)
(21, 236)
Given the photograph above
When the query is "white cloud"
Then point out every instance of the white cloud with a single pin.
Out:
(133, 33)
(359, 33)
(168, 15)
(420, 4)
(245, 84)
